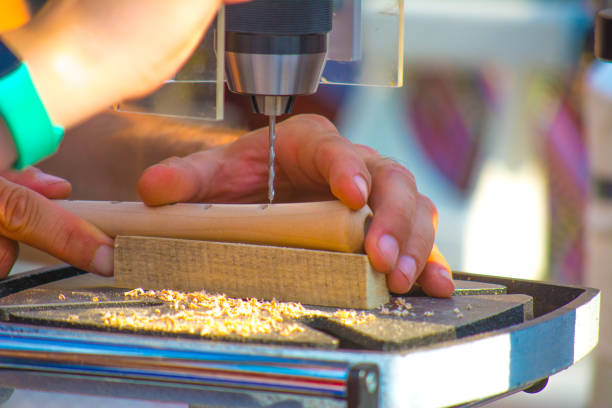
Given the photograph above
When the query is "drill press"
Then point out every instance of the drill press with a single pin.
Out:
(276, 50)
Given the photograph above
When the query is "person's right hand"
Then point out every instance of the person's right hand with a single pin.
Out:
(313, 163)
(27, 215)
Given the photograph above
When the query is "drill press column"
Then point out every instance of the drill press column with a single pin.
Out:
(275, 50)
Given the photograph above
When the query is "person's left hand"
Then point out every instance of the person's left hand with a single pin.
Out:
(28, 215)
(313, 162)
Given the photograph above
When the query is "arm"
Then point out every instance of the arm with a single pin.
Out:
(85, 55)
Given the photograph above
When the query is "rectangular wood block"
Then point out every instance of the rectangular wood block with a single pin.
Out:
(311, 277)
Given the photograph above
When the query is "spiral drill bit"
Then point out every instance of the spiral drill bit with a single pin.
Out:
(276, 50)
(271, 159)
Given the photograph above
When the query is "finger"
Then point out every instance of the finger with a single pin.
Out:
(312, 154)
(347, 175)
(436, 279)
(176, 179)
(416, 248)
(228, 174)
(29, 217)
(8, 255)
(46, 184)
(393, 201)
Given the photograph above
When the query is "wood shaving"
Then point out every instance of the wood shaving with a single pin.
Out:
(398, 307)
(350, 317)
(218, 315)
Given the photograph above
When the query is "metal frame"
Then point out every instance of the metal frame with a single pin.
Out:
(454, 373)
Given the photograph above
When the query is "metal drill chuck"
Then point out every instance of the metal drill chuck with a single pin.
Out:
(276, 49)
(603, 35)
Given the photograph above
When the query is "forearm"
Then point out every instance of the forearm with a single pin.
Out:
(84, 56)
(104, 156)
(68, 89)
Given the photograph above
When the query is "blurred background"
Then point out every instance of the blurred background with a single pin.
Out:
(504, 118)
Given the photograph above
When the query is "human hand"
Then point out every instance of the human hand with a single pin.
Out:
(85, 55)
(315, 163)
(28, 216)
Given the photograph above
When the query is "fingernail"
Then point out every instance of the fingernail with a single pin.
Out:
(407, 267)
(49, 179)
(445, 274)
(103, 261)
(389, 248)
(362, 185)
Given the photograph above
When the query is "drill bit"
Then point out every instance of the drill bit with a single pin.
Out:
(271, 159)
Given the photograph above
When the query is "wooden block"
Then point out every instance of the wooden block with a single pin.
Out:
(243, 270)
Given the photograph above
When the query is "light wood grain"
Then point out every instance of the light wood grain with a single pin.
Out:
(328, 225)
(312, 277)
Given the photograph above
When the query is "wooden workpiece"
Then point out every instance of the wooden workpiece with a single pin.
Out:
(328, 225)
(186, 259)
(311, 277)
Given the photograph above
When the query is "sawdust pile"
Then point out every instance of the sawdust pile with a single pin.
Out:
(218, 315)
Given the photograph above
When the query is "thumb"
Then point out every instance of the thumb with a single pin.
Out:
(29, 217)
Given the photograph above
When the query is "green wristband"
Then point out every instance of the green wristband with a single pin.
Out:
(34, 135)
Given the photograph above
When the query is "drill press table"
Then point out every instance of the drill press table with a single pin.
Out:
(494, 337)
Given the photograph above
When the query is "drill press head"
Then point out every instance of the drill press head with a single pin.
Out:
(275, 50)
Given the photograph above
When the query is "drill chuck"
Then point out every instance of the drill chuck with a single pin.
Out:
(276, 48)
